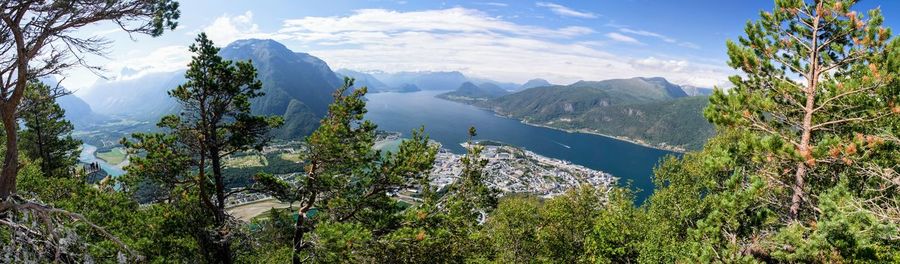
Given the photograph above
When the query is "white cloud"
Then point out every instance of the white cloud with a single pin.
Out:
(497, 4)
(449, 20)
(648, 34)
(475, 43)
(226, 28)
(689, 45)
(565, 11)
(623, 38)
(164, 59)
(667, 65)
(662, 37)
(684, 72)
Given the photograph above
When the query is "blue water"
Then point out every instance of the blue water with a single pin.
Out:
(87, 156)
(448, 123)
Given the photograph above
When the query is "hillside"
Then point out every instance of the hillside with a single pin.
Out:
(408, 88)
(696, 91)
(534, 83)
(648, 110)
(79, 112)
(364, 79)
(425, 80)
(469, 92)
(136, 97)
(297, 86)
(76, 110)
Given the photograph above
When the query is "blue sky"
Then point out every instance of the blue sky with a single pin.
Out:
(562, 41)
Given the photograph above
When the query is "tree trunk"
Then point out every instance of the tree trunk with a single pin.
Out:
(299, 232)
(11, 158)
(805, 151)
(225, 246)
(300, 226)
(806, 126)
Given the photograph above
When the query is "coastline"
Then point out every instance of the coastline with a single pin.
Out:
(620, 138)
(678, 150)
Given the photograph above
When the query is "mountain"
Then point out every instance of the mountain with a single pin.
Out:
(470, 92)
(140, 97)
(79, 112)
(696, 91)
(364, 79)
(534, 83)
(297, 86)
(76, 110)
(433, 81)
(505, 85)
(408, 88)
(650, 110)
(635, 90)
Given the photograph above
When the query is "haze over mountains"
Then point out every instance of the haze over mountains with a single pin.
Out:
(468, 91)
(299, 86)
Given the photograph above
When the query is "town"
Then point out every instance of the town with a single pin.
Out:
(509, 170)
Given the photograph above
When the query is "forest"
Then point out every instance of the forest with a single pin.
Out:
(804, 166)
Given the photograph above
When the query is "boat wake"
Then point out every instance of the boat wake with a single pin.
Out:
(564, 145)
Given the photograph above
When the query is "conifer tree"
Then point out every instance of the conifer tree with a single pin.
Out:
(215, 121)
(344, 194)
(47, 137)
(38, 41)
(814, 72)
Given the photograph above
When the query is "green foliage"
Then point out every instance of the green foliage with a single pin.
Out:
(733, 201)
(512, 229)
(141, 229)
(47, 137)
(617, 231)
(185, 163)
(347, 181)
(648, 109)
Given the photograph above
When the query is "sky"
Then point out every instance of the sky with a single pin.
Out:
(509, 41)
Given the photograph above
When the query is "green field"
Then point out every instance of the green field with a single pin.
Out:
(247, 161)
(293, 157)
(114, 156)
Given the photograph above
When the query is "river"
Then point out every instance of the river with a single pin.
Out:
(447, 122)
(87, 156)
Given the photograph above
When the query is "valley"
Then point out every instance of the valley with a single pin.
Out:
(619, 128)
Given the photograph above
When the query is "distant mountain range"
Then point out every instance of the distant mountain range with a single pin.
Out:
(76, 110)
(649, 110)
(79, 112)
(364, 79)
(297, 86)
(135, 97)
(374, 85)
(534, 83)
(696, 91)
(468, 92)
(426, 80)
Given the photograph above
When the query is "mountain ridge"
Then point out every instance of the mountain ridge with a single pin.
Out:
(469, 92)
(650, 111)
(297, 86)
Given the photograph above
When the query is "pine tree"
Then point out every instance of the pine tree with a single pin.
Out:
(39, 42)
(47, 137)
(814, 72)
(344, 193)
(215, 121)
